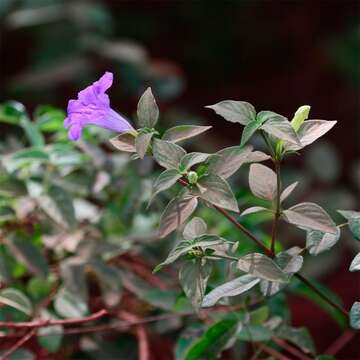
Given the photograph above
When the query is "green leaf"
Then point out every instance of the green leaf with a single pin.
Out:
(176, 213)
(30, 154)
(311, 217)
(235, 111)
(32, 132)
(195, 228)
(69, 305)
(261, 266)
(165, 181)
(58, 205)
(183, 132)
(17, 300)
(227, 161)
(38, 288)
(309, 131)
(217, 191)
(192, 159)
(124, 142)
(325, 357)
(49, 119)
(213, 342)
(298, 336)
(193, 277)
(355, 264)
(318, 241)
(20, 354)
(231, 288)
(28, 254)
(204, 241)
(262, 182)
(50, 337)
(147, 110)
(301, 114)
(249, 131)
(11, 112)
(254, 333)
(167, 154)
(355, 315)
(278, 126)
(142, 142)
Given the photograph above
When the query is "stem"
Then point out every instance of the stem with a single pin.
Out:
(290, 349)
(323, 296)
(341, 342)
(271, 253)
(18, 344)
(277, 206)
(272, 352)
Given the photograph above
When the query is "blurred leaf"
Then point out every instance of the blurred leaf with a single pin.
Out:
(254, 333)
(196, 227)
(16, 299)
(318, 241)
(355, 315)
(183, 132)
(20, 354)
(212, 343)
(261, 266)
(32, 132)
(50, 337)
(147, 110)
(193, 277)
(235, 111)
(176, 213)
(11, 112)
(227, 161)
(124, 142)
(262, 182)
(353, 218)
(49, 118)
(38, 288)
(355, 264)
(217, 191)
(69, 305)
(167, 154)
(231, 288)
(310, 216)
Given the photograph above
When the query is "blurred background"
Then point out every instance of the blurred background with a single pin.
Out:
(277, 55)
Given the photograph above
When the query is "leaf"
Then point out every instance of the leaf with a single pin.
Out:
(69, 305)
(279, 127)
(290, 262)
(165, 180)
(176, 213)
(227, 161)
(257, 156)
(50, 337)
(124, 142)
(17, 300)
(254, 333)
(287, 191)
(355, 315)
(261, 266)
(147, 110)
(183, 132)
(193, 277)
(31, 154)
(192, 159)
(28, 254)
(355, 264)
(235, 111)
(249, 131)
(262, 182)
(230, 288)
(298, 336)
(308, 132)
(301, 114)
(354, 222)
(253, 210)
(142, 142)
(167, 154)
(204, 241)
(311, 217)
(318, 241)
(58, 205)
(32, 132)
(218, 192)
(194, 228)
(213, 342)
(20, 354)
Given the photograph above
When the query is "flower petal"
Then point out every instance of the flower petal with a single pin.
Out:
(75, 132)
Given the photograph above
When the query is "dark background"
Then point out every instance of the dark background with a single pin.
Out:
(277, 55)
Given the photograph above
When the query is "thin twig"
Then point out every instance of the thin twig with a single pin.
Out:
(290, 349)
(277, 207)
(51, 322)
(272, 352)
(341, 342)
(18, 344)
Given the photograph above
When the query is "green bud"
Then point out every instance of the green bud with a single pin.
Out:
(192, 177)
(300, 116)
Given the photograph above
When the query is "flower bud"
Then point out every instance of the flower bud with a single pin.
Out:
(192, 177)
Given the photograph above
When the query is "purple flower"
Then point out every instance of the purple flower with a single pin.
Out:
(92, 107)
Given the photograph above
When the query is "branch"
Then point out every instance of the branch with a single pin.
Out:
(290, 349)
(341, 342)
(18, 344)
(272, 352)
(51, 322)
